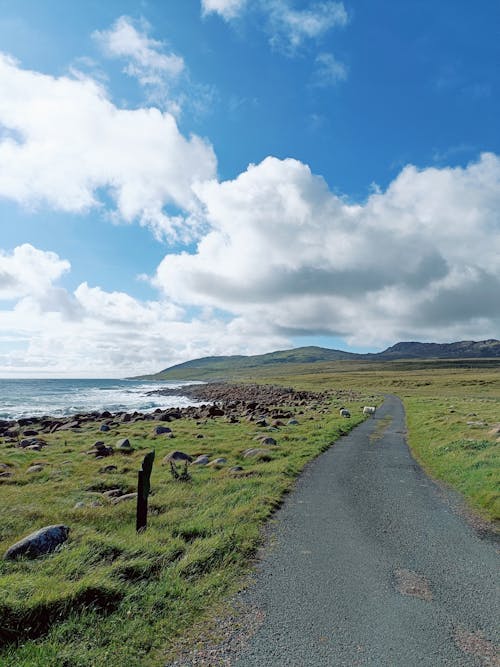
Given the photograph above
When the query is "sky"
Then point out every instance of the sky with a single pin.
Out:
(212, 177)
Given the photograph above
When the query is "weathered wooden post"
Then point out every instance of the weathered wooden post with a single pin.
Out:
(143, 489)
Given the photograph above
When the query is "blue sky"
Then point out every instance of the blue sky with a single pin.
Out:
(180, 179)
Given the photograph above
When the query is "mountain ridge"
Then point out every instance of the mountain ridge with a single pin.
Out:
(409, 350)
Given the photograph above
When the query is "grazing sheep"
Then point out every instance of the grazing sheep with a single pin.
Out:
(345, 413)
(369, 410)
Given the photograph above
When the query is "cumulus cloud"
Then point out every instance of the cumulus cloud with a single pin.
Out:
(67, 140)
(29, 271)
(415, 260)
(90, 331)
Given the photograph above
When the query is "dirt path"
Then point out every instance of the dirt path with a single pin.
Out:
(369, 565)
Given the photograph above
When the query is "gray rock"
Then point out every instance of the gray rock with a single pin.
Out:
(292, 422)
(104, 428)
(160, 430)
(127, 496)
(108, 469)
(257, 453)
(202, 460)
(268, 441)
(124, 445)
(38, 467)
(217, 462)
(112, 493)
(235, 469)
(41, 542)
(177, 456)
(79, 505)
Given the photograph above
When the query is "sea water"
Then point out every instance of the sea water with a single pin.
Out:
(33, 398)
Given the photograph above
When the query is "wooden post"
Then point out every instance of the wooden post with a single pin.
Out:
(143, 489)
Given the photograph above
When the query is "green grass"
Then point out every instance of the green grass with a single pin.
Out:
(110, 596)
(110, 592)
(453, 439)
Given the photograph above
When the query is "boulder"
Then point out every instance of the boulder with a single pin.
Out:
(202, 460)
(292, 422)
(124, 446)
(160, 430)
(217, 462)
(268, 442)
(177, 457)
(104, 428)
(36, 544)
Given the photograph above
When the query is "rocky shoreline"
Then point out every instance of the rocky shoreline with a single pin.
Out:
(232, 401)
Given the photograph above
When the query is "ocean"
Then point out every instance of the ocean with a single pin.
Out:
(34, 398)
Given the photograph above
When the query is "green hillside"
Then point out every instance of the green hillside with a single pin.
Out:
(226, 367)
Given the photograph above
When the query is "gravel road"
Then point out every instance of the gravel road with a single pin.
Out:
(370, 564)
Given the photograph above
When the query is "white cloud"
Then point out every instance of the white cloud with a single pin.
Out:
(92, 332)
(228, 9)
(66, 140)
(288, 28)
(296, 25)
(329, 70)
(148, 62)
(283, 257)
(28, 271)
(418, 260)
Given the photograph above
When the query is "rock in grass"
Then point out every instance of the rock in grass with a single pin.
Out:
(292, 422)
(217, 463)
(202, 460)
(160, 430)
(36, 544)
(177, 456)
(268, 441)
(38, 467)
(256, 453)
(109, 469)
(124, 445)
(126, 496)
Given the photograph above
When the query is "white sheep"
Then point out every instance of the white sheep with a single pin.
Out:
(369, 410)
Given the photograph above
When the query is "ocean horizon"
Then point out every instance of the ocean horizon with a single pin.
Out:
(62, 397)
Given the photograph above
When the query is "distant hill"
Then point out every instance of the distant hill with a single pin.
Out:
(219, 367)
(465, 349)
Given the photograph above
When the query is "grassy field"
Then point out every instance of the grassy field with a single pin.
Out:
(110, 596)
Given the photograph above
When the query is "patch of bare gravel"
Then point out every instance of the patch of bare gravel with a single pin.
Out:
(411, 583)
(475, 643)
(225, 639)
